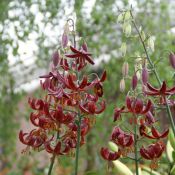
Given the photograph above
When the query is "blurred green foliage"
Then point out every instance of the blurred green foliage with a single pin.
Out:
(104, 37)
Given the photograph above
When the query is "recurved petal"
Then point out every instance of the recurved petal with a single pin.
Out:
(71, 83)
(151, 93)
(157, 134)
(57, 149)
(151, 88)
(150, 118)
(83, 82)
(128, 103)
(75, 50)
(83, 109)
(91, 107)
(21, 137)
(163, 88)
(148, 107)
(138, 106)
(172, 90)
(89, 59)
(130, 141)
(72, 55)
(48, 148)
(144, 153)
(103, 77)
(102, 107)
(108, 155)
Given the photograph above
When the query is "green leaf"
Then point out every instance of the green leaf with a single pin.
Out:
(121, 168)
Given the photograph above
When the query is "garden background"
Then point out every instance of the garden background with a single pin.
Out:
(30, 30)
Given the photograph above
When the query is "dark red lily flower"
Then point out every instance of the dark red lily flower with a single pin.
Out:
(57, 149)
(35, 138)
(155, 134)
(58, 92)
(117, 113)
(64, 64)
(121, 138)
(36, 104)
(45, 84)
(71, 84)
(91, 107)
(163, 91)
(54, 74)
(42, 122)
(62, 118)
(97, 80)
(153, 152)
(108, 155)
(98, 88)
(81, 54)
(85, 126)
(136, 106)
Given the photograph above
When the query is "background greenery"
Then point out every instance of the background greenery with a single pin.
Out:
(104, 37)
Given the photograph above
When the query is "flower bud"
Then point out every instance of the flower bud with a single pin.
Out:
(172, 59)
(64, 40)
(120, 17)
(151, 43)
(127, 15)
(65, 37)
(84, 46)
(66, 28)
(134, 81)
(55, 58)
(122, 85)
(144, 75)
(125, 69)
(123, 49)
(127, 29)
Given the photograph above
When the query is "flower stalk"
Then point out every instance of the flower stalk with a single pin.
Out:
(135, 148)
(154, 71)
(78, 144)
(51, 164)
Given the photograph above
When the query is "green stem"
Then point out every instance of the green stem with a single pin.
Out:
(155, 73)
(53, 158)
(51, 164)
(79, 116)
(135, 148)
(78, 144)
